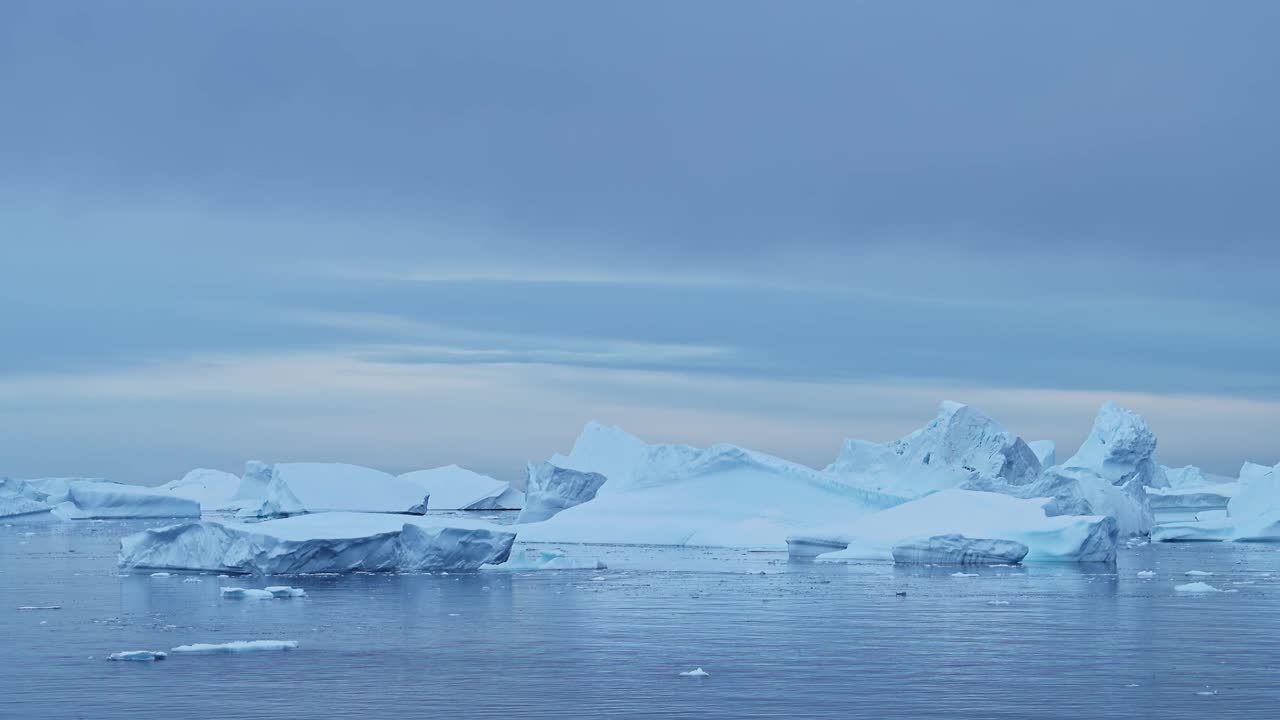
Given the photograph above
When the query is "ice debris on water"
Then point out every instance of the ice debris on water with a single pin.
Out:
(1146, 574)
(963, 575)
(1197, 573)
(161, 574)
(137, 656)
(696, 672)
(237, 646)
(1196, 587)
(238, 593)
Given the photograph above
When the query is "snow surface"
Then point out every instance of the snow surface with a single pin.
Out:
(961, 445)
(298, 488)
(325, 542)
(213, 489)
(89, 499)
(957, 549)
(238, 646)
(457, 488)
(1070, 538)
(551, 489)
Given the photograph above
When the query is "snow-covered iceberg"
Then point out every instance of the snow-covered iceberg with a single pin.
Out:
(105, 500)
(1252, 514)
(324, 542)
(457, 488)
(298, 488)
(723, 495)
(551, 489)
(1070, 538)
(957, 549)
(961, 445)
(213, 489)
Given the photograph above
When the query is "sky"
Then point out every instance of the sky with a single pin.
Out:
(405, 234)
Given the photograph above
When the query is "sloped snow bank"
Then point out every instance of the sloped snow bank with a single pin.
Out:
(326, 542)
(457, 488)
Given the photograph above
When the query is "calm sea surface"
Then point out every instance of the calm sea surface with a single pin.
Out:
(779, 640)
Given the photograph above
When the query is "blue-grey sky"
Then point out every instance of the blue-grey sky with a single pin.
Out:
(406, 234)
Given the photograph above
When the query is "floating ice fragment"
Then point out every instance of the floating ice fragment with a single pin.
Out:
(160, 574)
(40, 607)
(696, 672)
(961, 574)
(1196, 587)
(237, 646)
(284, 591)
(236, 593)
(1197, 573)
(997, 602)
(137, 656)
(1146, 574)
(191, 580)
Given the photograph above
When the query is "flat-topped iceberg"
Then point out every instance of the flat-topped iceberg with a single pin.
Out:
(457, 488)
(320, 543)
(961, 445)
(955, 549)
(213, 489)
(551, 489)
(1070, 538)
(106, 500)
(298, 488)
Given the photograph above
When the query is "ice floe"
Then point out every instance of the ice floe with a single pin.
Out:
(696, 672)
(323, 542)
(239, 593)
(1196, 587)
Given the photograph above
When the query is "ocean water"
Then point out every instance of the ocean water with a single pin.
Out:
(779, 640)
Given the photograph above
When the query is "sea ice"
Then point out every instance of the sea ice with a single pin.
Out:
(957, 549)
(457, 488)
(237, 646)
(323, 542)
(298, 488)
(551, 489)
(284, 591)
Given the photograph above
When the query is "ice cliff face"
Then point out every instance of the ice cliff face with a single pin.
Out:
(325, 542)
(1255, 509)
(957, 549)
(961, 445)
(551, 489)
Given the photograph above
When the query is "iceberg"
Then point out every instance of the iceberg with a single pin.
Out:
(238, 646)
(298, 488)
(696, 672)
(20, 508)
(957, 549)
(1054, 538)
(89, 499)
(1252, 514)
(1119, 448)
(320, 543)
(52, 490)
(238, 593)
(1208, 526)
(551, 489)
(457, 488)
(253, 485)
(1046, 451)
(961, 445)
(723, 496)
(213, 489)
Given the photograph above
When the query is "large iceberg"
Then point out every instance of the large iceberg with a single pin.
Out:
(1252, 514)
(89, 499)
(961, 445)
(551, 489)
(457, 488)
(297, 488)
(1120, 448)
(324, 542)
(723, 495)
(1071, 538)
(213, 489)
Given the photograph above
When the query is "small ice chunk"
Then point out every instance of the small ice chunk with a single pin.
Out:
(1146, 574)
(191, 580)
(1197, 573)
(957, 549)
(161, 574)
(138, 656)
(1196, 587)
(696, 672)
(237, 646)
(997, 602)
(961, 574)
(284, 591)
(236, 593)
(40, 607)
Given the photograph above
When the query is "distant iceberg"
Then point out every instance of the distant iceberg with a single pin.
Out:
(298, 488)
(457, 488)
(107, 500)
(213, 489)
(1252, 513)
(320, 543)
